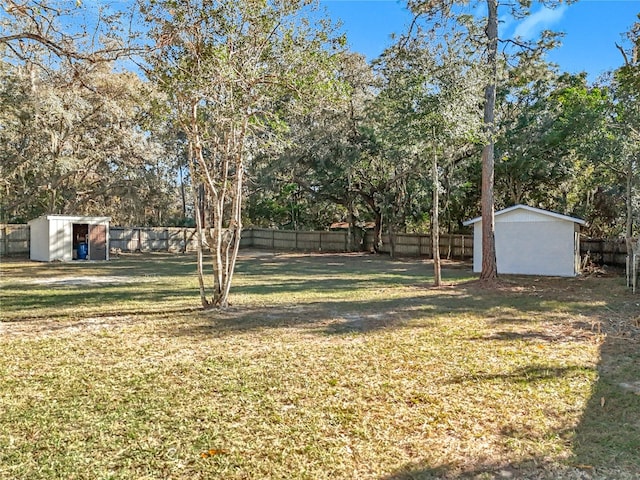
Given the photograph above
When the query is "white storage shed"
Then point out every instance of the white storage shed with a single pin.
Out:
(531, 241)
(69, 237)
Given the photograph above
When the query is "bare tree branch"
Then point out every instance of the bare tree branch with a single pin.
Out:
(624, 54)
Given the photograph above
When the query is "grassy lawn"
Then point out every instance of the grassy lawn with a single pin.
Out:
(325, 367)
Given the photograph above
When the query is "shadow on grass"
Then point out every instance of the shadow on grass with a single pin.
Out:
(155, 279)
(346, 316)
(148, 264)
(605, 444)
(609, 432)
(607, 437)
(526, 470)
(261, 275)
(576, 331)
(34, 303)
(513, 303)
(529, 374)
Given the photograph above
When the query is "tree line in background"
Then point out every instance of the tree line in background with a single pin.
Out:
(254, 112)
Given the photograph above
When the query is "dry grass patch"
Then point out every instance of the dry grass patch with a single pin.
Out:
(345, 366)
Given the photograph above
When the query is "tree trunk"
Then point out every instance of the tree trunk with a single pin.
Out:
(233, 234)
(628, 233)
(370, 201)
(377, 217)
(200, 256)
(489, 266)
(392, 240)
(195, 190)
(377, 231)
(435, 224)
(227, 240)
(350, 218)
(183, 197)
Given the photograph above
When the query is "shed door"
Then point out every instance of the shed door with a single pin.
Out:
(97, 242)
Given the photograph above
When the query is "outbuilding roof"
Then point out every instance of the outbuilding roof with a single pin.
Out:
(530, 209)
(74, 218)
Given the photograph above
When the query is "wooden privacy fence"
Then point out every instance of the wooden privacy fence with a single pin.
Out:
(404, 244)
(605, 251)
(14, 240)
(316, 241)
(152, 239)
(412, 245)
(157, 239)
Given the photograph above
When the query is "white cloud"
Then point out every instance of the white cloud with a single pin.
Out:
(538, 21)
(505, 22)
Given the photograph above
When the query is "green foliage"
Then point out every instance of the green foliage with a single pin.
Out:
(278, 98)
(323, 144)
(232, 72)
(547, 127)
(427, 106)
(564, 146)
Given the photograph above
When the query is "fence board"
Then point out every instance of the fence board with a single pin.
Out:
(14, 239)
(608, 251)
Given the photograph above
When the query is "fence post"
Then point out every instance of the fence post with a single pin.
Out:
(5, 244)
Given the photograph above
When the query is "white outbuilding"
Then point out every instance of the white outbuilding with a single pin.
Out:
(69, 237)
(531, 241)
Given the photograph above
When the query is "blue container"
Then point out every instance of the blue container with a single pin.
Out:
(83, 250)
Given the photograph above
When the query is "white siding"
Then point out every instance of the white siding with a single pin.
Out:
(477, 247)
(535, 248)
(60, 239)
(523, 216)
(39, 239)
(531, 243)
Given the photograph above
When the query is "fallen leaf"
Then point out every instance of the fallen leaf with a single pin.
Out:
(602, 401)
(217, 451)
(213, 451)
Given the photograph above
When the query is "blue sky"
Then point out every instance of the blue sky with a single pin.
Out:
(591, 27)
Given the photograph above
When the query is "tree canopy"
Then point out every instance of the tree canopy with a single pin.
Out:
(255, 112)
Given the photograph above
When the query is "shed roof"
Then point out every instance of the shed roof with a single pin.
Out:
(74, 218)
(530, 209)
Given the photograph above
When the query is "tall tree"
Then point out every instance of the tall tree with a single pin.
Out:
(627, 92)
(492, 61)
(67, 148)
(431, 97)
(70, 117)
(314, 176)
(547, 129)
(489, 267)
(229, 70)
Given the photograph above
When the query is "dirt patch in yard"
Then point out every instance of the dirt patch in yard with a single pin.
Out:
(85, 280)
